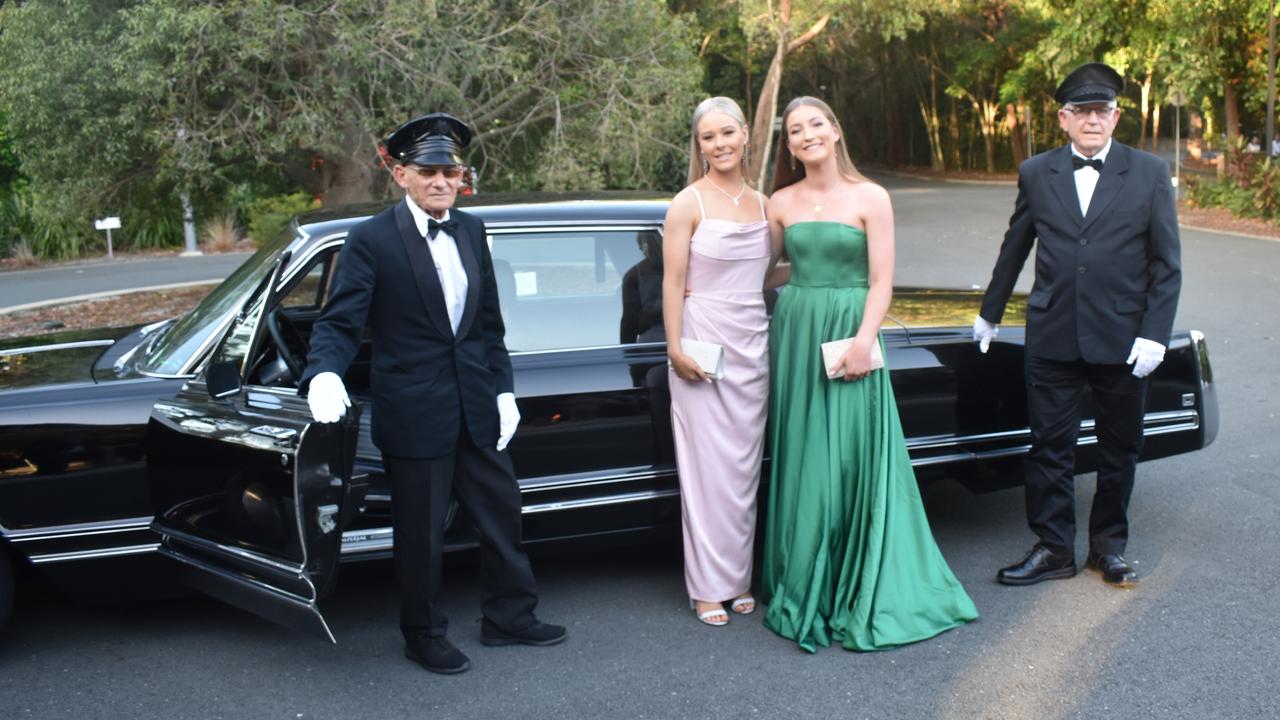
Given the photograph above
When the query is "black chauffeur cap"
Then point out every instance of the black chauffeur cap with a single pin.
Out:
(1090, 83)
(432, 139)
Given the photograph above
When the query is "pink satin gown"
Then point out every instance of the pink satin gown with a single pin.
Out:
(719, 426)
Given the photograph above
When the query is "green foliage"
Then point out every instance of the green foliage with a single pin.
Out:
(268, 216)
(1251, 188)
(146, 97)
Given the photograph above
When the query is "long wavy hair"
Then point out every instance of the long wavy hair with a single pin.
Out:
(787, 171)
(721, 105)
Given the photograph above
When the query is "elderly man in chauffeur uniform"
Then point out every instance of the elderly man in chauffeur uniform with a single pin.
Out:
(1100, 313)
(420, 275)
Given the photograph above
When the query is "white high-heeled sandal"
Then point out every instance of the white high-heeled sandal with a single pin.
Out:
(705, 616)
(743, 600)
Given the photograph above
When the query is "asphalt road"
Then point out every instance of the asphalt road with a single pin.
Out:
(1199, 638)
(24, 287)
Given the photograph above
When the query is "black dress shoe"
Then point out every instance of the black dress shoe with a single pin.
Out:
(538, 633)
(436, 654)
(1041, 563)
(1114, 568)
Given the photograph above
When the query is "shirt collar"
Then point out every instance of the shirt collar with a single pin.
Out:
(420, 216)
(1101, 155)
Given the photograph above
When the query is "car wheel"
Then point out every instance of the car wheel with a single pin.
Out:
(6, 586)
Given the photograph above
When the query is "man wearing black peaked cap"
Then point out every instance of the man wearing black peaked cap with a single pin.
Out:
(1102, 218)
(419, 274)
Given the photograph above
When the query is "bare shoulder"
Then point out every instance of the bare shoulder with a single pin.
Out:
(683, 208)
(871, 193)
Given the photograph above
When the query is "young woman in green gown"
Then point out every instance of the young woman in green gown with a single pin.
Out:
(849, 556)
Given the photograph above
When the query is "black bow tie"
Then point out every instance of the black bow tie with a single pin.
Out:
(1078, 162)
(434, 227)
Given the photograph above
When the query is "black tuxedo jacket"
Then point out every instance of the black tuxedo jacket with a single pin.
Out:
(425, 382)
(1103, 279)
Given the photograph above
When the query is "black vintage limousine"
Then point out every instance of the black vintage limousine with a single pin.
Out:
(183, 445)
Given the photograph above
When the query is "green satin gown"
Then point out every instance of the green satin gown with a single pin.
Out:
(849, 556)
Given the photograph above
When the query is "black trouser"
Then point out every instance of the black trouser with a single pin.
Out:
(1054, 392)
(482, 480)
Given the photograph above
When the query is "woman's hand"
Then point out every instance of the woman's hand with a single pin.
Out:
(856, 361)
(686, 368)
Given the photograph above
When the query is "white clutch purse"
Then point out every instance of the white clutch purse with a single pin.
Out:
(831, 352)
(709, 356)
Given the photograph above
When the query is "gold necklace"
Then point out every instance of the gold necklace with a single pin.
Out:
(735, 198)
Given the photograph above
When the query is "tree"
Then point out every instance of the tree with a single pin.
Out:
(562, 93)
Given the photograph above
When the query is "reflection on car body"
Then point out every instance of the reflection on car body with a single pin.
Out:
(124, 450)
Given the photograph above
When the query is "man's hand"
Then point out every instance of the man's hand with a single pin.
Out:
(508, 419)
(327, 398)
(983, 333)
(1145, 356)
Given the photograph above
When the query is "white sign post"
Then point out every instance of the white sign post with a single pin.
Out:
(108, 224)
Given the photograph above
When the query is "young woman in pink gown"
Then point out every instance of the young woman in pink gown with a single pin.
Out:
(716, 245)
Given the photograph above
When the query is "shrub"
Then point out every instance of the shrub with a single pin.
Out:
(270, 215)
(221, 233)
(1251, 193)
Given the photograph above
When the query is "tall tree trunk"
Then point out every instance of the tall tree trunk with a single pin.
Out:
(953, 126)
(1017, 132)
(766, 111)
(1145, 109)
(1155, 128)
(1231, 100)
(934, 124)
(767, 103)
(889, 106)
(987, 111)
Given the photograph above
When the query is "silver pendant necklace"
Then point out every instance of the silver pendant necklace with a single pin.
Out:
(736, 199)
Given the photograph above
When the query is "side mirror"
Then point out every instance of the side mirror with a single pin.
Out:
(223, 379)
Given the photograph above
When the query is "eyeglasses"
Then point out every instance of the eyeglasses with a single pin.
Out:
(451, 172)
(1084, 111)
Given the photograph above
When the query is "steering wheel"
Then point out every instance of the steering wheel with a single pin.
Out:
(285, 338)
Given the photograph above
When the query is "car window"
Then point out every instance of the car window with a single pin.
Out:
(562, 290)
(309, 292)
(170, 352)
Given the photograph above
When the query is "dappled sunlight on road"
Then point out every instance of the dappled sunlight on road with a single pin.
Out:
(1024, 675)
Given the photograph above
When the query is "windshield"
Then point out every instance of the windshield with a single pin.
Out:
(169, 353)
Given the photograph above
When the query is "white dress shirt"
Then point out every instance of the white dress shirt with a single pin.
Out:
(444, 251)
(1087, 177)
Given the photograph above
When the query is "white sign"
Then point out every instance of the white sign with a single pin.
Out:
(110, 223)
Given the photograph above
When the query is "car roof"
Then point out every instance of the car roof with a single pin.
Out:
(640, 207)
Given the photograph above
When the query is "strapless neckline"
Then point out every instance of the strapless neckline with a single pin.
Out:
(826, 222)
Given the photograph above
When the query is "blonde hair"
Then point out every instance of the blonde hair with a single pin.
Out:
(711, 105)
(786, 171)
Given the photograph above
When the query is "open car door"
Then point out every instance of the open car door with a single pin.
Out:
(250, 494)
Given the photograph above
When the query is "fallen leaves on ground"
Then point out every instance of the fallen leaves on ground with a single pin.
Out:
(115, 311)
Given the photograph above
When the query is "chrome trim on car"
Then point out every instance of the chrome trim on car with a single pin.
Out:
(523, 226)
(59, 532)
(561, 482)
(1190, 420)
(382, 539)
(56, 346)
(597, 502)
(240, 553)
(522, 353)
(93, 554)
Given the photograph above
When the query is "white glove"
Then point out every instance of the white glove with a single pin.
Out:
(508, 419)
(983, 333)
(327, 398)
(1145, 356)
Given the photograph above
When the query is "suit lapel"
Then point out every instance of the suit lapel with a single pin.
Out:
(1114, 171)
(1064, 183)
(424, 269)
(467, 253)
